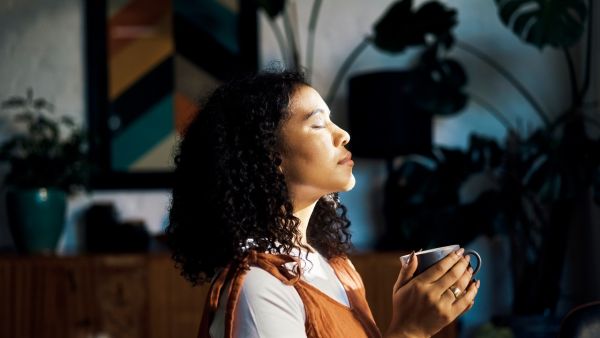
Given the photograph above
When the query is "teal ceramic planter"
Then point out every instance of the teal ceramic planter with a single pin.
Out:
(36, 218)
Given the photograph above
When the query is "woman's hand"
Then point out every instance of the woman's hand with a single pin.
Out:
(424, 305)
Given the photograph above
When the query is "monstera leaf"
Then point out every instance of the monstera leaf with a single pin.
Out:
(441, 91)
(272, 7)
(558, 23)
(401, 27)
(483, 153)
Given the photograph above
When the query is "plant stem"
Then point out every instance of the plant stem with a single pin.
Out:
(562, 118)
(292, 41)
(588, 52)
(344, 68)
(492, 110)
(575, 100)
(592, 120)
(509, 77)
(310, 44)
(280, 40)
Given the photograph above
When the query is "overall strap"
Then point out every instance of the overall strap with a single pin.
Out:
(355, 290)
(212, 302)
(272, 263)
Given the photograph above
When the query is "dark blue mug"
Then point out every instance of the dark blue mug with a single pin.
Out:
(429, 257)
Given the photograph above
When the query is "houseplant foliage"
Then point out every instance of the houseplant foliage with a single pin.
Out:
(45, 151)
(538, 185)
(541, 23)
(47, 159)
(553, 169)
(286, 39)
(437, 80)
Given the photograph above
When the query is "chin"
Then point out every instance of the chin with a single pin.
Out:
(350, 184)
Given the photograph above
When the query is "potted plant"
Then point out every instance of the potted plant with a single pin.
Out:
(400, 102)
(46, 156)
(538, 185)
(556, 169)
(390, 112)
(436, 80)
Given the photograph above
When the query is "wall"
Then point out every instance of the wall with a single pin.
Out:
(344, 23)
(41, 46)
(43, 43)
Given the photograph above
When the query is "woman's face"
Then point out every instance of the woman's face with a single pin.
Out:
(315, 159)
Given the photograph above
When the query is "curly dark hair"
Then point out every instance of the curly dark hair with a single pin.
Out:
(229, 194)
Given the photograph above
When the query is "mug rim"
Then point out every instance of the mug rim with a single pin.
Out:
(441, 248)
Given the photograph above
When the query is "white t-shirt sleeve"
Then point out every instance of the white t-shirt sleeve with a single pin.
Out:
(266, 308)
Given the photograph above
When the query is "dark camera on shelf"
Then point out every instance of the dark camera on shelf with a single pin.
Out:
(103, 231)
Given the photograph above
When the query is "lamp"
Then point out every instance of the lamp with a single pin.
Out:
(383, 117)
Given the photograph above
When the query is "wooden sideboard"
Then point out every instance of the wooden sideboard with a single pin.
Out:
(132, 296)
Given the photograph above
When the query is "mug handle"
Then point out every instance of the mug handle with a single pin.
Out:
(477, 257)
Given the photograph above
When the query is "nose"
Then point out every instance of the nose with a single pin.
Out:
(342, 137)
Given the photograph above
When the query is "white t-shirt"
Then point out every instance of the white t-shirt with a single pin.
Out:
(268, 308)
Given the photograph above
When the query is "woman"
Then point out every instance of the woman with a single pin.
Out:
(255, 209)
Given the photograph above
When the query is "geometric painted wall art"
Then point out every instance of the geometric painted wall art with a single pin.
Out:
(161, 56)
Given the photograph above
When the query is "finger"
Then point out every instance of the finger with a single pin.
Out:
(465, 301)
(407, 270)
(440, 268)
(466, 279)
(452, 276)
(449, 296)
(469, 307)
(461, 285)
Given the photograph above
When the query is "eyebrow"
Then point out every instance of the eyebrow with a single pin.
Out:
(314, 112)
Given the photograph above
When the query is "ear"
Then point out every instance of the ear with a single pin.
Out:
(280, 162)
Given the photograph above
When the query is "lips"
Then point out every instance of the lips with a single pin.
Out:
(346, 159)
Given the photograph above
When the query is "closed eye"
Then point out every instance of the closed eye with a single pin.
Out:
(318, 122)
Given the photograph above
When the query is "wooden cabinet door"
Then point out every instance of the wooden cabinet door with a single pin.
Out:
(133, 296)
(175, 307)
(46, 298)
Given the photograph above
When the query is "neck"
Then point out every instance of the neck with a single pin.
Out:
(303, 212)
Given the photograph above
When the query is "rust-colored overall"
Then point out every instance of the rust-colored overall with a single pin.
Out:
(325, 317)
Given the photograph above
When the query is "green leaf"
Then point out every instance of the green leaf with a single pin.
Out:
(67, 121)
(42, 153)
(558, 23)
(26, 117)
(483, 153)
(41, 103)
(440, 91)
(400, 27)
(453, 73)
(272, 7)
(551, 188)
(436, 19)
(391, 30)
(14, 102)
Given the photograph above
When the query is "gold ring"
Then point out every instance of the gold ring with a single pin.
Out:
(455, 291)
